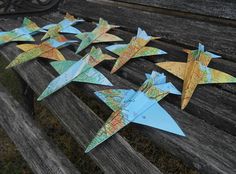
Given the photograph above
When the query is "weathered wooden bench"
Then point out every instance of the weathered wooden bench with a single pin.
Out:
(209, 121)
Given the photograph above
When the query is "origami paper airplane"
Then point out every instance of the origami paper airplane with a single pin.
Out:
(47, 49)
(195, 72)
(65, 26)
(23, 33)
(135, 49)
(99, 34)
(78, 71)
(138, 107)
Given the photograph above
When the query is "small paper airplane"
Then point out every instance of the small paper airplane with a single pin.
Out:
(99, 34)
(195, 72)
(47, 49)
(135, 49)
(23, 33)
(78, 71)
(138, 107)
(65, 26)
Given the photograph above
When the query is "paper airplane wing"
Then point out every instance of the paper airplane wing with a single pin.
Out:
(116, 122)
(115, 98)
(155, 116)
(176, 68)
(26, 47)
(107, 38)
(3, 32)
(89, 75)
(214, 76)
(25, 37)
(148, 51)
(71, 30)
(53, 54)
(49, 26)
(117, 49)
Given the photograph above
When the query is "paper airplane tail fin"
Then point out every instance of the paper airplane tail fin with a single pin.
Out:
(103, 22)
(30, 25)
(97, 56)
(156, 78)
(201, 48)
(69, 17)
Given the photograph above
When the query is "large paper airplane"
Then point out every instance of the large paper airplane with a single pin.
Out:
(98, 35)
(65, 26)
(23, 33)
(47, 49)
(78, 71)
(135, 49)
(195, 72)
(138, 107)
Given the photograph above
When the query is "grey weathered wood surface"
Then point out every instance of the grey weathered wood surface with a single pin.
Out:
(176, 29)
(40, 153)
(200, 135)
(77, 118)
(216, 8)
(209, 103)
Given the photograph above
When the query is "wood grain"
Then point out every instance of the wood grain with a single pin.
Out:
(41, 155)
(216, 8)
(78, 119)
(211, 103)
(215, 37)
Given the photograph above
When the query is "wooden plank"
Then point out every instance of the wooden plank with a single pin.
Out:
(212, 104)
(41, 155)
(79, 119)
(216, 8)
(176, 29)
(217, 159)
(195, 144)
(192, 149)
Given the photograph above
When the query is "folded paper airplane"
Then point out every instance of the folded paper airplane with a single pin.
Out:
(98, 35)
(47, 49)
(195, 72)
(65, 26)
(138, 107)
(23, 33)
(135, 49)
(78, 71)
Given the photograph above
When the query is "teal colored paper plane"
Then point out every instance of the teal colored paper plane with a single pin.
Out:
(78, 71)
(135, 49)
(23, 33)
(98, 35)
(138, 107)
(65, 26)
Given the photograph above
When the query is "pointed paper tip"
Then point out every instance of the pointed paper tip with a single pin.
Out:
(186, 50)
(77, 51)
(8, 66)
(88, 149)
(44, 37)
(183, 105)
(162, 52)
(40, 98)
(113, 71)
(155, 38)
(181, 133)
(109, 84)
(114, 26)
